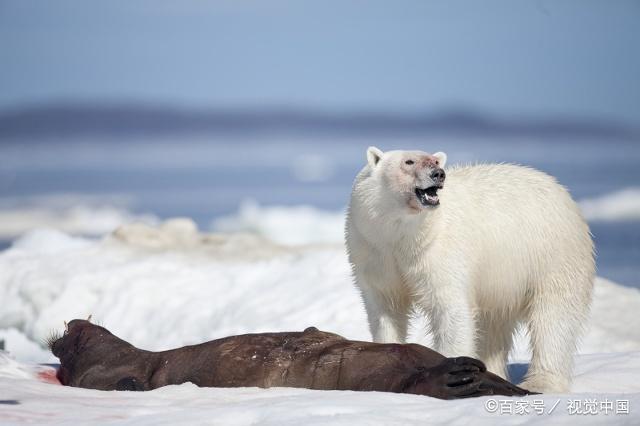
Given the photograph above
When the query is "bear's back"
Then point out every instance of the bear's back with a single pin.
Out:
(508, 193)
(511, 223)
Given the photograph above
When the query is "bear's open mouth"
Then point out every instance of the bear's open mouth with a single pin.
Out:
(428, 196)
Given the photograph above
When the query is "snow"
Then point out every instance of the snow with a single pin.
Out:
(167, 286)
(72, 213)
(619, 205)
(287, 225)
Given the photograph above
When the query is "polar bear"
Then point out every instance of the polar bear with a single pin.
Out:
(479, 249)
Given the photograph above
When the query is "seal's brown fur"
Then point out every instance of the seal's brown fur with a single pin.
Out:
(91, 357)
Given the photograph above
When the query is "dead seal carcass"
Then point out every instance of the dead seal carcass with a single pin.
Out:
(91, 357)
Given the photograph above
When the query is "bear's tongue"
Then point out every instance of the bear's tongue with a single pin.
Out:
(428, 196)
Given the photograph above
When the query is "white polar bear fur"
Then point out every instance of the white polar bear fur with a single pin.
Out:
(506, 245)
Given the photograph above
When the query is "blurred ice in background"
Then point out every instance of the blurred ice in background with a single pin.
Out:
(255, 116)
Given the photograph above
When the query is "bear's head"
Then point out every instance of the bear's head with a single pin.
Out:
(412, 178)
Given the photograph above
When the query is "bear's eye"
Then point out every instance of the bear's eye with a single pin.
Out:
(408, 162)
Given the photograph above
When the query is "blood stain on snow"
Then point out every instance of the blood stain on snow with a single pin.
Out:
(48, 376)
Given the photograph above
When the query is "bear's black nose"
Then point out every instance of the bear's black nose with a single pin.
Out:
(438, 175)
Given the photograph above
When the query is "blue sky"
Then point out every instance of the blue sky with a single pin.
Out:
(578, 58)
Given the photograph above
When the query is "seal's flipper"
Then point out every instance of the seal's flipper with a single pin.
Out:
(465, 377)
(498, 386)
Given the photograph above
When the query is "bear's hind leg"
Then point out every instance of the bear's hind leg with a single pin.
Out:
(556, 320)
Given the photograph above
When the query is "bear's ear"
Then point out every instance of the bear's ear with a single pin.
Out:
(442, 159)
(373, 156)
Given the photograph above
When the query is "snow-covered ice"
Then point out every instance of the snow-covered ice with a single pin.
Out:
(170, 286)
(287, 225)
(79, 214)
(619, 205)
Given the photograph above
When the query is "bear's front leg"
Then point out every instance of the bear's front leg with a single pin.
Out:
(451, 320)
(388, 316)
(385, 299)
